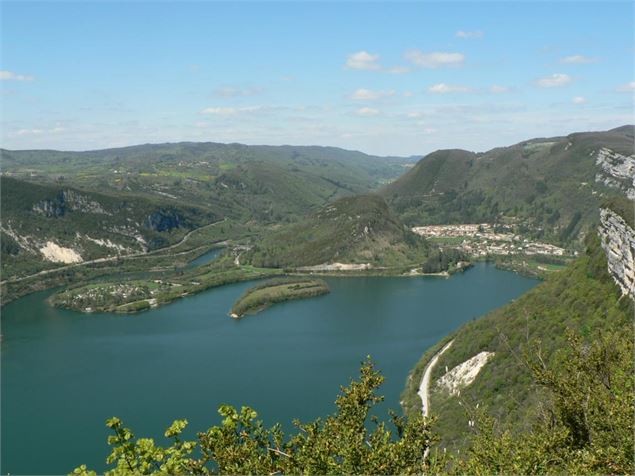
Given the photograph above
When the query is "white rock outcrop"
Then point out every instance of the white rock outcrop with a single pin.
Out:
(616, 171)
(58, 254)
(464, 374)
(618, 241)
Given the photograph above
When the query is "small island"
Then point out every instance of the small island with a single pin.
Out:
(262, 296)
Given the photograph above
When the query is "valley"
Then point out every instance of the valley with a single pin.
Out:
(154, 230)
(339, 238)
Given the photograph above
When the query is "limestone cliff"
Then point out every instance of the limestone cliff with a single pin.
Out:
(618, 242)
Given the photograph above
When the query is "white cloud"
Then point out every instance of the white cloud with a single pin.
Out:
(38, 132)
(414, 115)
(443, 88)
(578, 100)
(370, 95)
(435, 59)
(363, 60)
(469, 35)
(554, 81)
(577, 59)
(367, 112)
(230, 111)
(627, 88)
(229, 91)
(496, 89)
(11, 76)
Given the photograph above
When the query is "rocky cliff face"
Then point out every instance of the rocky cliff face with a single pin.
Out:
(618, 242)
(68, 200)
(616, 171)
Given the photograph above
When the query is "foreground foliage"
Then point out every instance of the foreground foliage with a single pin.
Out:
(586, 423)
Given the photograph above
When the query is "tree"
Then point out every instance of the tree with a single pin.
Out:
(586, 427)
(340, 444)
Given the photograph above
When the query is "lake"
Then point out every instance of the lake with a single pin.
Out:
(64, 373)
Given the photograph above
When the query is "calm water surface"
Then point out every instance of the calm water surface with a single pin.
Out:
(64, 373)
(205, 258)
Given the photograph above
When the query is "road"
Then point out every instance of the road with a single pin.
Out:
(113, 258)
(424, 387)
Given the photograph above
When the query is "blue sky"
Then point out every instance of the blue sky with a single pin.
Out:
(381, 77)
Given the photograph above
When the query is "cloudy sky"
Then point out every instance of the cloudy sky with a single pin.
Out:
(385, 77)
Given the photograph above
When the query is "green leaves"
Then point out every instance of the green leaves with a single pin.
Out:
(175, 428)
(343, 443)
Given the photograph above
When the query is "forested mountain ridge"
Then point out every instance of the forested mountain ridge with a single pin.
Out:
(269, 184)
(552, 186)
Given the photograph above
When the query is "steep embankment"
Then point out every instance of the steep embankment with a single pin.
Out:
(586, 297)
(359, 230)
(554, 186)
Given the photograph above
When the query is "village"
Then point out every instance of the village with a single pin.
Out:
(482, 239)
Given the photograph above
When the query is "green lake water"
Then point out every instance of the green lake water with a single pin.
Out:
(64, 373)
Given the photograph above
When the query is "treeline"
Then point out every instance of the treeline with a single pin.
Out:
(442, 260)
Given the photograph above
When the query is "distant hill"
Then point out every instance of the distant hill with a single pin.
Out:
(270, 184)
(554, 185)
(359, 229)
(44, 225)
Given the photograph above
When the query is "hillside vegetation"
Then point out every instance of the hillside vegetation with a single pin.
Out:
(45, 225)
(552, 186)
(357, 230)
(583, 298)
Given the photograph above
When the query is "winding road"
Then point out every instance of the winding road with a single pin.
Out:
(114, 258)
